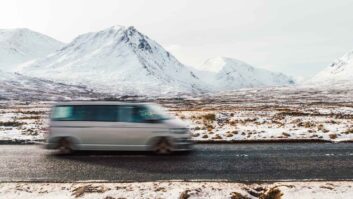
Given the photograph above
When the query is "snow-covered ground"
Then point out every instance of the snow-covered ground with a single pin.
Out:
(270, 124)
(270, 114)
(263, 114)
(181, 190)
(23, 121)
(18, 87)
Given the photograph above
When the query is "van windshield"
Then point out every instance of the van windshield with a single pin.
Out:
(155, 112)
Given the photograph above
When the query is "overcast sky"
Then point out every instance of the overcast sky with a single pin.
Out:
(296, 37)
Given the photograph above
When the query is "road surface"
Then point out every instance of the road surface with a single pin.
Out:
(232, 162)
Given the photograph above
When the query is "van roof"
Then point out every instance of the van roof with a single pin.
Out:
(100, 103)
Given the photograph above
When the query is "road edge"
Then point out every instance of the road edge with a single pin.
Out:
(42, 141)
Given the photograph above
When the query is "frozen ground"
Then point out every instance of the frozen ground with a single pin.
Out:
(181, 190)
(249, 114)
(271, 114)
(23, 121)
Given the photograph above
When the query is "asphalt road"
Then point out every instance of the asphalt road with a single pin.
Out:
(234, 162)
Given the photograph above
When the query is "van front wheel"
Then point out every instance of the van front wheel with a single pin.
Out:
(163, 147)
(64, 146)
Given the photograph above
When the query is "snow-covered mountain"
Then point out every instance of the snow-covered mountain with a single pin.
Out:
(119, 60)
(228, 74)
(21, 45)
(19, 87)
(339, 72)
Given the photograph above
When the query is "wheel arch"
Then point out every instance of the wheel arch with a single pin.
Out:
(154, 140)
(73, 140)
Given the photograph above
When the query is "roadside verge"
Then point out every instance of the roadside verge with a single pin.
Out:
(181, 189)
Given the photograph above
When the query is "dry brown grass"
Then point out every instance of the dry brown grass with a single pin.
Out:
(331, 122)
(197, 128)
(209, 117)
(236, 195)
(286, 134)
(195, 134)
(233, 123)
(217, 137)
(210, 128)
(333, 136)
(27, 112)
(229, 135)
(273, 193)
(32, 117)
(79, 191)
(348, 131)
(306, 124)
(11, 123)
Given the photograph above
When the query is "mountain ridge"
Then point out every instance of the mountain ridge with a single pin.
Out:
(122, 60)
(338, 72)
(20, 45)
(117, 57)
(14, 86)
(229, 74)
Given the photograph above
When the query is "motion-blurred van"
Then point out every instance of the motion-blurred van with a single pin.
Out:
(93, 125)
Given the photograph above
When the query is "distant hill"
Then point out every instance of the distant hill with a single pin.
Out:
(21, 45)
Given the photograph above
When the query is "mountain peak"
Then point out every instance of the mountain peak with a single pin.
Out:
(113, 36)
(344, 60)
(229, 73)
(17, 33)
(120, 27)
(339, 72)
(117, 27)
(217, 64)
(118, 59)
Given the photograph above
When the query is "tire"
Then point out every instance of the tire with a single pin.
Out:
(163, 147)
(64, 146)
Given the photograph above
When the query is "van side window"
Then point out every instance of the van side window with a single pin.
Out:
(130, 114)
(125, 113)
(99, 113)
(105, 113)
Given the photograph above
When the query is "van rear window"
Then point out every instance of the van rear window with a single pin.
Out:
(62, 113)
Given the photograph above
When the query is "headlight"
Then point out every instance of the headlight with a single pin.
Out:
(179, 130)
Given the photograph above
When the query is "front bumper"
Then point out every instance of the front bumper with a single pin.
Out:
(183, 144)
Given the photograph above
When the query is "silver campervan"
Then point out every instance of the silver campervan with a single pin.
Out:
(115, 126)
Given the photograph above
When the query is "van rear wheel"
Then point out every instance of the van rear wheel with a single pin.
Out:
(163, 147)
(64, 146)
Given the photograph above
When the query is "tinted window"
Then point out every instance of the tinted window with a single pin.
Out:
(62, 113)
(125, 113)
(107, 113)
(131, 114)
